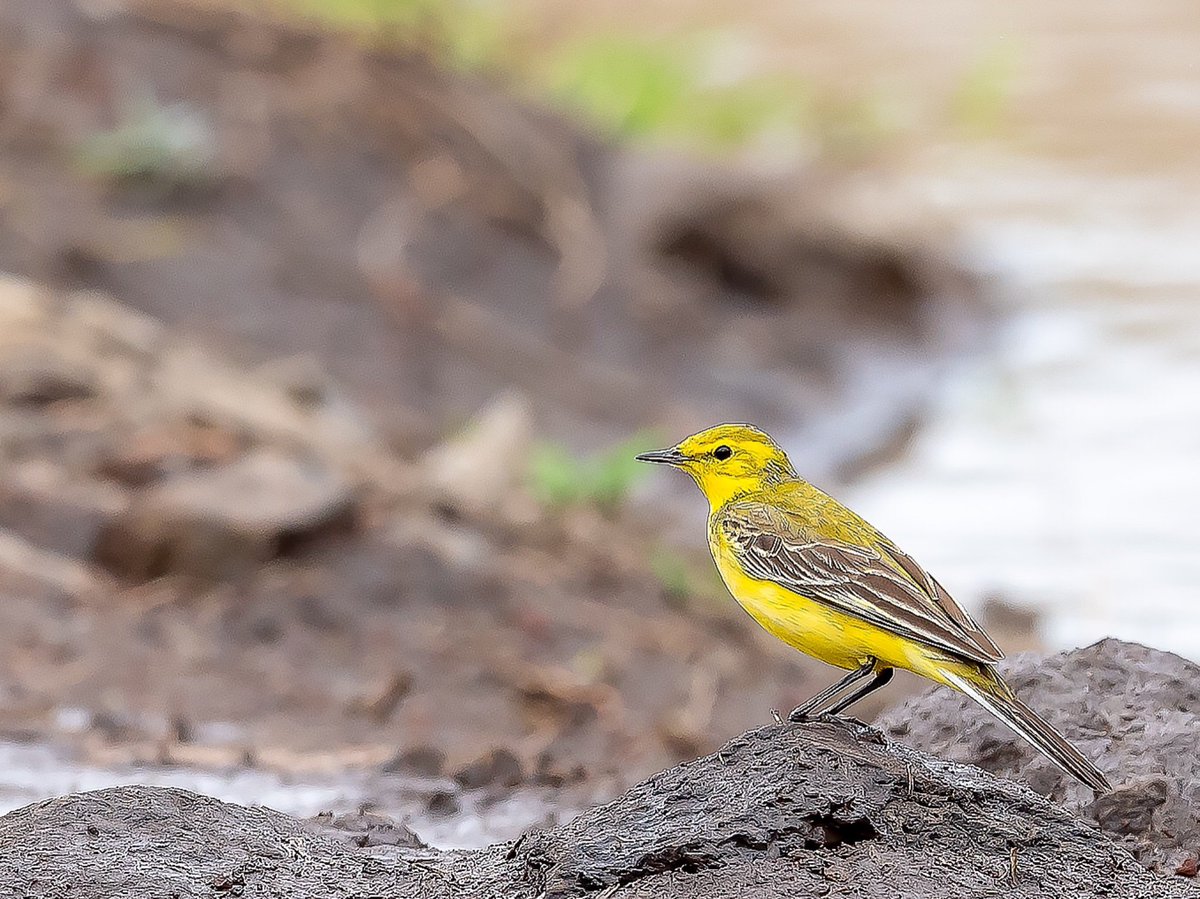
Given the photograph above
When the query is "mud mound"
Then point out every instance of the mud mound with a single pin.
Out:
(819, 809)
(1135, 711)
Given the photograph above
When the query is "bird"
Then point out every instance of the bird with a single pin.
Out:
(828, 583)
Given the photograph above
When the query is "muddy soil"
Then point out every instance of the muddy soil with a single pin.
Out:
(221, 421)
(1130, 708)
(203, 567)
(826, 808)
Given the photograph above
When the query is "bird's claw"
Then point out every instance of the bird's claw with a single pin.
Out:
(799, 716)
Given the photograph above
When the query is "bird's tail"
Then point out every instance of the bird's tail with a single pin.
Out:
(995, 696)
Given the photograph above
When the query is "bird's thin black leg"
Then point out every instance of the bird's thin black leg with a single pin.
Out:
(813, 704)
(871, 686)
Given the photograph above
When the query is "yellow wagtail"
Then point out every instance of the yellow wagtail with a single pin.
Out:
(824, 581)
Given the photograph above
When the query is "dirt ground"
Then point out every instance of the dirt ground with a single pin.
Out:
(226, 532)
(153, 614)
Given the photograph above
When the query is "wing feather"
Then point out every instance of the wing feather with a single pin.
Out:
(945, 601)
(893, 593)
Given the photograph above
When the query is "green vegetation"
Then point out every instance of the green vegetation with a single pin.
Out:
(637, 87)
(683, 579)
(160, 146)
(559, 478)
(984, 93)
(468, 34)
(629, 86)
(674, 574)
(687, 88)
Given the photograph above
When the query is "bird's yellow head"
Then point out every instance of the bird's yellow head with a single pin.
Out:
(727, 461)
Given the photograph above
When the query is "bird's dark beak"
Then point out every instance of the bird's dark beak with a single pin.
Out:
(670, 456)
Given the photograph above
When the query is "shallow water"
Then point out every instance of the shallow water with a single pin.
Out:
(33, 772)
(1060, 472)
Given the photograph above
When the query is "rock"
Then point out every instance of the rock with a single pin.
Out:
(149, 454)
(194, 383)
(420, 761)
(498, 768)
(23, 304)
(443, 803)
(1129, 809)
(477, 470)
(22, 558)
(36, 373)
(56, 348)
(112, 405)
(220, 523)
(820, 809)
(769, 233)
(110, 327)
(381, 703)
(63, 515)
(303, 378)
(365, 829)
(1134, 711)
(287, 405)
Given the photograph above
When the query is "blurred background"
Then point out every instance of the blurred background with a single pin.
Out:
(329, 328)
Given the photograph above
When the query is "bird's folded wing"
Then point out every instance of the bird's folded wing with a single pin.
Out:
(900, 598)
(935, 591)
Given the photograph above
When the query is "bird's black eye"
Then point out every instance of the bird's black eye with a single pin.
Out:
(722, 452)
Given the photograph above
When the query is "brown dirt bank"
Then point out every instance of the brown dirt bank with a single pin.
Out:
(828, 808)
(427, 237)
(216, 539)
(215, 564)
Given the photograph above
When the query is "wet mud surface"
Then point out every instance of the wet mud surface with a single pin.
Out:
(1131, 709)
(827, 808)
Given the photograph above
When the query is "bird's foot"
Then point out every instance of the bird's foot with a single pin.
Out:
(841, 718)
(803, 716)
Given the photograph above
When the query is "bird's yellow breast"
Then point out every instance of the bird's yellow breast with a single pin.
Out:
(817, 630)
